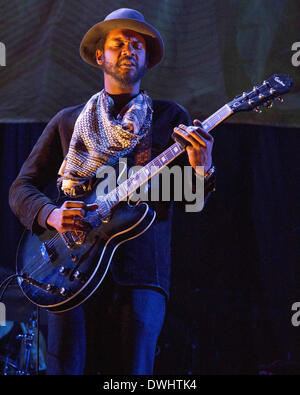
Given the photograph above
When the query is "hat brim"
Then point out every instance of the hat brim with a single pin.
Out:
(154, 42)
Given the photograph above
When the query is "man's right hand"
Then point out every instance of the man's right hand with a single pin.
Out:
(68, 216)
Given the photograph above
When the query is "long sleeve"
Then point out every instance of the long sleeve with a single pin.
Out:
(26, 197)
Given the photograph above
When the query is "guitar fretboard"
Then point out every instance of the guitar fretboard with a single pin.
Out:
(216, 118)
(127, 187)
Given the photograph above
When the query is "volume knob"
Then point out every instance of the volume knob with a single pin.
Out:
(79, 276)
(64, 270)
(49, 288)
(63, 291)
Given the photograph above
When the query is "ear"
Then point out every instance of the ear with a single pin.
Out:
(99, 57)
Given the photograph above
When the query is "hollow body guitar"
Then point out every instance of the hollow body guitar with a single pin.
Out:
(59, 271)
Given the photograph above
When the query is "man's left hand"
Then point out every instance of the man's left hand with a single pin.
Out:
(200, 145)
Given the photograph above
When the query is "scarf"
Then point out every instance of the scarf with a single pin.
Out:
(100, 139)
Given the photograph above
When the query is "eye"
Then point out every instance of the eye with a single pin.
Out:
(116, 44)
(137, 45)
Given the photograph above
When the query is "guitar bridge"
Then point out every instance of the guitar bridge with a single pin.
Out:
(79, 237)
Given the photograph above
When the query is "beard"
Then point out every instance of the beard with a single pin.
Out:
(126, 77)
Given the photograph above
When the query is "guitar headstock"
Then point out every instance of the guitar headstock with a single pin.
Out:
(271, 89)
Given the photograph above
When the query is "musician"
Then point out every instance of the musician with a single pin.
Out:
(119, 120)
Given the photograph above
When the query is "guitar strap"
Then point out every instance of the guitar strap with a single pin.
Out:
(143, 150)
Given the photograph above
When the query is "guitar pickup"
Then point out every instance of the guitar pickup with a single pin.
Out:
(48, 253)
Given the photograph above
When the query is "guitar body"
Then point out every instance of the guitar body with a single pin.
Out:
(59, 277)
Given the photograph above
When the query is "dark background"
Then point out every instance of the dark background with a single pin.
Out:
(236, 264)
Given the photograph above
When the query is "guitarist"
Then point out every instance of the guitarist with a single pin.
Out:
(120, 120)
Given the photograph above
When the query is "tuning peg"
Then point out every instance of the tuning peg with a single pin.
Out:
(255, 89)
(265, 83)
(250, 102)
(279, 99)
(272, 91)
(245, 96)
(257, 109)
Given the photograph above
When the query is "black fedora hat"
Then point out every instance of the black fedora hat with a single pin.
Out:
(123, 18)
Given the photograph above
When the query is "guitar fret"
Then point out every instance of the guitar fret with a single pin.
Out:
(217, 117)
(135, 181)
(175, 149)
(130, 185)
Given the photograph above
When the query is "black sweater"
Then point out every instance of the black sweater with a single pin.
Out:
(143, 261)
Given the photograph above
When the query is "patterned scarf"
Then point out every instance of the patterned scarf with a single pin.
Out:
(100, 139)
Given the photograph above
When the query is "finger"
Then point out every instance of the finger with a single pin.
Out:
(184, 134)
(75, 223)
(201, 135)
(183, 127)
(191, 136)
(205, 134)
(195, 130)
(73, 212)
(73, 204)
(196, 122)
(81, 224)
(80, 210)
(71, 227)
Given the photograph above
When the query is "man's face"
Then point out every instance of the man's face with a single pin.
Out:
(124, 56)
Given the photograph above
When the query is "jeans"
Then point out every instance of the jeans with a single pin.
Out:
(122, 333)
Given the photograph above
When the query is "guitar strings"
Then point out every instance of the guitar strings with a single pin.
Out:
(31, 267)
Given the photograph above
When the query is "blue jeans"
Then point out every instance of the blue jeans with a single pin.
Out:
(135, 317)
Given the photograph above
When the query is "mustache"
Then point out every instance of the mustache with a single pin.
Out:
(130, 59)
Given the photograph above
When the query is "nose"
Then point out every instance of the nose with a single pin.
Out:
(128, 48)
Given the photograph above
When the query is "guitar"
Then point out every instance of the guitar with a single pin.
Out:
(59, 271)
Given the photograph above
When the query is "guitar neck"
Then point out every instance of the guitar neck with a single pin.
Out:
(127, 187)
(216, 118)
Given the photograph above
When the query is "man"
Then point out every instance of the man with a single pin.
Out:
(121, 120)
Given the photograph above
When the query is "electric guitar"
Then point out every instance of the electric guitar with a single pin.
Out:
(59, 271)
